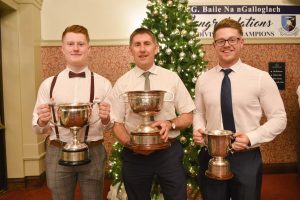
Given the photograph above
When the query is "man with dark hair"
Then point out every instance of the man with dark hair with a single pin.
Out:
(232, 96)
(75, 84)
(140, 167)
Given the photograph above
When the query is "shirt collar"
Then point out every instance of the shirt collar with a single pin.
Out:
(85, 69)
(139, 72)
(234, 67)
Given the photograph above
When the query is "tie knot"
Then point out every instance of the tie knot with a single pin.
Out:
(73, 74)
(146, 74)
(227, 71)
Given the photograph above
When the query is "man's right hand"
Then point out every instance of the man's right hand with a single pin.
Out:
(198, 136)
(44, 114)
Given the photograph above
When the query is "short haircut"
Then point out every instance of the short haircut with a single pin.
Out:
(76, 29)
(142, 31)
(228, 23)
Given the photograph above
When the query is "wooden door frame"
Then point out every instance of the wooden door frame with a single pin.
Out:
(3, 170)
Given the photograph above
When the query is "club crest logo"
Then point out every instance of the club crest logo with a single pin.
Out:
(288, 25)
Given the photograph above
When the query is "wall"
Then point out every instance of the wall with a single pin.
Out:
(106, 20)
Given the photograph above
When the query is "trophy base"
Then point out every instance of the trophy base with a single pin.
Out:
(217, 176)
(74, 157)
(218, 169)
(148, 141)
(74, 163)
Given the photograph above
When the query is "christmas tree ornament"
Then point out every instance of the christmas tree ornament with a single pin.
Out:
(181, 55)
(189, 21)
(183, 140)
(194, 56)
(191, 33)
(170, 3)
(176, 31)
(168, 51)
(178, 69)
(194, 80)
(155, 12)
(183, 32)
(161, 36)
(180, 7)
(191, 42)
(165, 16)
(192, 171)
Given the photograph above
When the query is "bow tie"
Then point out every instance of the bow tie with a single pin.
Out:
(72, 74)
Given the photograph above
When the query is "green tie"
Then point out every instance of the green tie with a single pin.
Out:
(147, 81)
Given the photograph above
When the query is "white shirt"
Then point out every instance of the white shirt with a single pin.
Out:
(72, 90)
(253, 91)
(160, 79)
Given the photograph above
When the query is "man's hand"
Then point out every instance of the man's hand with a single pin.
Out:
(104, 110)
(44, 114)
(198, 136)
(241, 142)
(164, 126)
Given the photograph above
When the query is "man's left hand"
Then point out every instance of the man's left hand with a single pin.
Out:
(165, 126)
(241, 142)
(104, 110)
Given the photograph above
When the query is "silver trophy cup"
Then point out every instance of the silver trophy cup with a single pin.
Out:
(218, 143)
(74, 116)
(147, 104)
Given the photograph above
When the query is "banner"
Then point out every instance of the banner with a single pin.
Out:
(258, 21)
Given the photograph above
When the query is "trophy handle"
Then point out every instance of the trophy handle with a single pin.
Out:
(95, 101)
(54, 121)
(230, 149)
(172, 97)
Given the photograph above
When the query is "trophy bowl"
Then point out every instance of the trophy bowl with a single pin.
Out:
(147, 104)
(74, 116)
(218, 143)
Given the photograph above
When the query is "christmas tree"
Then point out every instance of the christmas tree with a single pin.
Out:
(180, 51)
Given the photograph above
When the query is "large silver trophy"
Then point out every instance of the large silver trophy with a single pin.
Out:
(74, 116)
(218, 143)
(147, 104)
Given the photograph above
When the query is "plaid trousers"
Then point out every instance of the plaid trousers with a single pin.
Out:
(62, 180)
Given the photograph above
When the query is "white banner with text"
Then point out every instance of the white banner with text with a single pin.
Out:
(258, 21)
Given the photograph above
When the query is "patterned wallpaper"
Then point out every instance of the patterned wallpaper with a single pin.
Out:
(113, 61)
